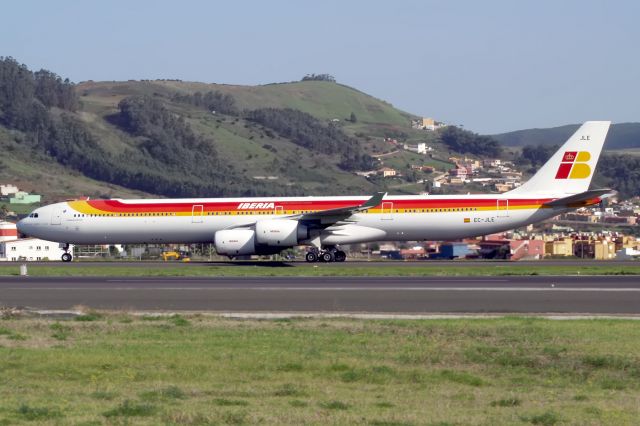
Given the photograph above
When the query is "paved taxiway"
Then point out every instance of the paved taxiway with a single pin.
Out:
(517, 294)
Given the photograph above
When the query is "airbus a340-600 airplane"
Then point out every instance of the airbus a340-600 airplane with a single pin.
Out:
(245, 226)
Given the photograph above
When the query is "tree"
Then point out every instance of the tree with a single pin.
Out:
(212, 101)
(537, 155)
(353, 118)
(307, 131)
(464, 141)
(4, 212)
(319, 77)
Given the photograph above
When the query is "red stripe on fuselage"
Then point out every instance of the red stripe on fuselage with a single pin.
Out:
(115, 206)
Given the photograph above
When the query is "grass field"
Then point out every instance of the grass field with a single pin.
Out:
(198, 370)
(271, 269)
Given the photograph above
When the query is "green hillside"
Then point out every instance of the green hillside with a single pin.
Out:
(322, 99)
(621, 136)
(36, 172)
(172, 138)
(180, 139)
(243, 145)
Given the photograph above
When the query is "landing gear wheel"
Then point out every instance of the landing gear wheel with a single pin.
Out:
(340, 256)
(327, 256)
(66, 257)
(311, 257)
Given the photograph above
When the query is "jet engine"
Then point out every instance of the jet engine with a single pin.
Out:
(235, 242)
(280, 232)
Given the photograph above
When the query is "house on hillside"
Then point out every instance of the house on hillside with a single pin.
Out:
(491, 162)
(459, 172)
(503, 187)
(388, 172)
(420, 148)
(9, 189)
(427, 123)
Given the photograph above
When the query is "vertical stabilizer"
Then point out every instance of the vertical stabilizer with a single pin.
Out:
(570, 169)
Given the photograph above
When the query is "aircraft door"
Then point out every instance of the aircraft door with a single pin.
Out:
(197, 212)
(56, 216)
(279, 210)
(502, 208)
(387, 211)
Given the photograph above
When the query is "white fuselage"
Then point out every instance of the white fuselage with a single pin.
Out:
(398, 218)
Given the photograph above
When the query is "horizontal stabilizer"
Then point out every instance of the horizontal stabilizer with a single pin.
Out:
(582, 199)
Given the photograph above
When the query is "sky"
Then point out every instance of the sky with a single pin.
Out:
(491, 66)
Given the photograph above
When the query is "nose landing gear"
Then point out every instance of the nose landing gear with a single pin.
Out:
(66, 256)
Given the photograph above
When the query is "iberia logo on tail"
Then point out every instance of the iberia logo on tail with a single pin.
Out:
(574, 165)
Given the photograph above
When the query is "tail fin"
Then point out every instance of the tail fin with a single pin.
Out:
(570, 169)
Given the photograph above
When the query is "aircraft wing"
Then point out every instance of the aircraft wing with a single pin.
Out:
(334, 215)
(325, 217)
(587, 198)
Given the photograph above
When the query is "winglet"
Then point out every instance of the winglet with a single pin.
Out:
(371, 202)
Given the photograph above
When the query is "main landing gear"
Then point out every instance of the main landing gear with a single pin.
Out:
(326, 255)
(66, 256)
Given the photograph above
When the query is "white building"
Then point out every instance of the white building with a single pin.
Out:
(6, 190)
(30, 249)
(387, 172)
(420, 148)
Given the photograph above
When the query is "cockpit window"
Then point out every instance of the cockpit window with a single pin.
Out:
(34, 215)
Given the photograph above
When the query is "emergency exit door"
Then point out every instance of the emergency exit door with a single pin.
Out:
(387, 211)
(197, 212)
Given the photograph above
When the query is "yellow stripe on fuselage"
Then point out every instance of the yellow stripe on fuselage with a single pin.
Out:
(85, 208)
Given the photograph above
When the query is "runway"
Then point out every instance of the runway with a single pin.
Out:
(609, 295)
(302, 263)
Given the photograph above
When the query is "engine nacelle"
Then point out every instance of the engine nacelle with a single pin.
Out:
(280, 232)
(235, 242)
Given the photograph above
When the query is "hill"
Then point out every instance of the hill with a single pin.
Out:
(173, 138)
(272, 161)
(621, 136)
(179, 139)
(322, 99)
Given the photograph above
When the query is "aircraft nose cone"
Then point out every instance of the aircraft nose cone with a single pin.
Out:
(21, 226)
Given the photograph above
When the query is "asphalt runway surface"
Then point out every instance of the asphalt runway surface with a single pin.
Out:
(298, 263)
(609, 295)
